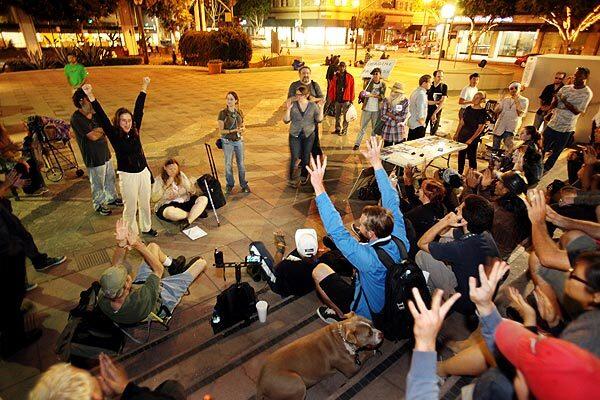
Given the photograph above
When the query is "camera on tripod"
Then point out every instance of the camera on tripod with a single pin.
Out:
(252, 262)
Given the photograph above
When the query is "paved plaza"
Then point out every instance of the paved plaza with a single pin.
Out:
(180, 116)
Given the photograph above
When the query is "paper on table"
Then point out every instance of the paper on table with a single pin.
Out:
(194, 233)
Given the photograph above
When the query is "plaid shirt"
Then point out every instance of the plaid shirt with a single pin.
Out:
(394, 129)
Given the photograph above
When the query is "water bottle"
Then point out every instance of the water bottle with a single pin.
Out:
(219, 258)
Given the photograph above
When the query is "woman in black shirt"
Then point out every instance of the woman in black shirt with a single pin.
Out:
(528, 157)
(469, 131)
(134, 176)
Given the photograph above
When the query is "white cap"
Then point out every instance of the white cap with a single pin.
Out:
(307, 242)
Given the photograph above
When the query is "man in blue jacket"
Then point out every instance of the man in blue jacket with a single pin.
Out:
(377, 224)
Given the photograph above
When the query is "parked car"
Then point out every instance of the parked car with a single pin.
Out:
(386, 47)
(401, 43)
(521, 61)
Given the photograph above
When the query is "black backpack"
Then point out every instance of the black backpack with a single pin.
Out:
(214, 192)
(395, 320)
(88, 332)
(236, 303)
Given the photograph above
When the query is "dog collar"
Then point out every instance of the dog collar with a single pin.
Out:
(351, 348)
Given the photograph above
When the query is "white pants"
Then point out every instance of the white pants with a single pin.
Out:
(135, 191)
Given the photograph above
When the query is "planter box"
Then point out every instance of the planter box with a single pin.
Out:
(214, 68)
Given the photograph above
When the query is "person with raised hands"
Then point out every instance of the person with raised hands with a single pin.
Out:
(422, 381)
(135, 178)
(381, 225)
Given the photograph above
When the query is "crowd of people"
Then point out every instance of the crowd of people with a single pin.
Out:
(459, 227)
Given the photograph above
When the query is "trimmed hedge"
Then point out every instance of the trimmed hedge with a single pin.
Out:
(18, 64)
(122, 61)
(227, 44)
(233, 64)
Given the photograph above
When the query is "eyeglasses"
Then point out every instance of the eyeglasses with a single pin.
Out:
(576, 278)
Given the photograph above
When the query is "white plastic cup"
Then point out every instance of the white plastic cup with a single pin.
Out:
(261, 309)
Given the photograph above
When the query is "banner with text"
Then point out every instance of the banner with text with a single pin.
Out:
(386, 67)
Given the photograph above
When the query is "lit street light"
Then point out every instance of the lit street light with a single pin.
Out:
(138, 13)
(447, 12)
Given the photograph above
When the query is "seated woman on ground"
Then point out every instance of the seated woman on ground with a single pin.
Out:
(528, 157)
(175, 196)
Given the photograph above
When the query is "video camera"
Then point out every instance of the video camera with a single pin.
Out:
(252, 262)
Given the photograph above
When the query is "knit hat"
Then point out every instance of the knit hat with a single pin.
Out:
(398, 87)
(307, 242)
(113, 281)
(554, 369)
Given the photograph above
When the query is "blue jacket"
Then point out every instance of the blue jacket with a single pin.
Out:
(371, 271)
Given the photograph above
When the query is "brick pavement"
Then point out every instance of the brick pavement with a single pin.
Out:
(180, 116)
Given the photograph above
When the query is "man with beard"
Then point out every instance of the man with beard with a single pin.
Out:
(315, 95)
(95, 153)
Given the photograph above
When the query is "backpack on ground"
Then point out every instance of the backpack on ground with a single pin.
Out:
(88, 332)
(395, 320)
(210, 185)
(236, 303)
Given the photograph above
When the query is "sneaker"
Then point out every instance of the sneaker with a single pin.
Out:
(151, 232)
(177, 266)
(246, 189)
(30, 286)
(184, 225)
(103, 211)
(328, 315)
(116, 203)
(228, 189)
(355, 147)
(51, 262)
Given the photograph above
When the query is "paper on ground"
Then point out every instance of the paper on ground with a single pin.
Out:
(194, 232)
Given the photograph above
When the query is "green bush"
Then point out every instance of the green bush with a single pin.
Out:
(227, 44)
(18, 64)
(233, 64)
(122, 61)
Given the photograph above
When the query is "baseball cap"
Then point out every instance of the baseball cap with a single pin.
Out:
(307, 242)
(514, 181)
(554, 369)
(113, 281)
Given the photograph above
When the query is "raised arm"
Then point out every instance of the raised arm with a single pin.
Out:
(138, 110)
(101, 116)
(389, 196)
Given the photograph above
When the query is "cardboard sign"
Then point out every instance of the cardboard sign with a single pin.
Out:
(386, 67)
(528, 71)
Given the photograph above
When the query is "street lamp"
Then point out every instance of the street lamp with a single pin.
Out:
(138, 13)
(447, 12)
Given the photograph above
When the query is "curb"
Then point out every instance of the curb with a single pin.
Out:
(259, 69)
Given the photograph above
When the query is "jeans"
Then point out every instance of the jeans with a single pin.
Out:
(507, 138)
(471, 153)
(416, 133)
(300, 149)
(102, 182)
(172, 288)
(340, 112)
(366, 117)
(433, 126)
(229, 148)
(556, 142)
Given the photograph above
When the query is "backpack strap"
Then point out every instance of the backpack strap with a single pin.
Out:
(360, 294)
(385, 258)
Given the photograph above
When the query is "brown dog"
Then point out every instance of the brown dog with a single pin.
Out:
(290, 370)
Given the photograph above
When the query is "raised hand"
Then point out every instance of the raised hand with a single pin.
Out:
(429, 321)
(555, 218)
(113, 378)
(455, 221)
(589, 155)
(317, 172)
(87, 89)
(482, 295)
(121, 232)
(546, 308)
(536, 206)
(373, 151)
(473, 178)
(146, 81)
(525, 310)
(487, 177)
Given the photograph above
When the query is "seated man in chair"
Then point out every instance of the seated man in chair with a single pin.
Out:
(130, 301)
